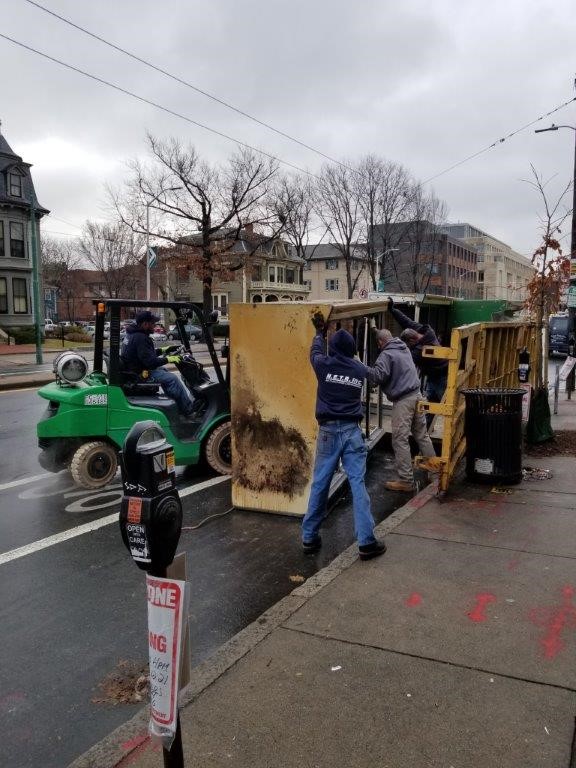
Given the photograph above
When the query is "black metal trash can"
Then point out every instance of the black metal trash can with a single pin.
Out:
(493, 427)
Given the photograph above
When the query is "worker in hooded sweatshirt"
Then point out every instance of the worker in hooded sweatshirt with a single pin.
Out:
(339, 412)
(396, 373)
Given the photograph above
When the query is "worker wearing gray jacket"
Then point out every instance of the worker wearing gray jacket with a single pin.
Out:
(396, 373)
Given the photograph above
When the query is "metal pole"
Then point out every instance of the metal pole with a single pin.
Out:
(35, 278)
(556, 388)
(148, 251)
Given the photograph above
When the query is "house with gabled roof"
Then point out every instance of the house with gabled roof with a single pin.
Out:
(19, 212)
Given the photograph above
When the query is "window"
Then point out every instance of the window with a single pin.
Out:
(308, 284)
(332, 285)
(331, 263)
(15, 184)
(257, 272)
(1, 239)
(355, 265)
(3, 296)
(20, 295)
(307, 266)
(480, 277)
(17, 240)
(271, 274)
(290, 276)
(220, 301)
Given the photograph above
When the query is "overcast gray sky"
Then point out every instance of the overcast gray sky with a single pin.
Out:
(422, 82)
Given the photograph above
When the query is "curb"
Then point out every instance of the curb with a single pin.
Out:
(129, 737)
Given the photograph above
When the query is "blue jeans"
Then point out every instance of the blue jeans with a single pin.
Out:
(173, 388)
(339, 440)
(435, 388)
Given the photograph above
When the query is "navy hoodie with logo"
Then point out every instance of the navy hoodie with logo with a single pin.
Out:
(340, 378)
(138, 352)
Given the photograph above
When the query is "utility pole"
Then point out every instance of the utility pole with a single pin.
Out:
(35, 279)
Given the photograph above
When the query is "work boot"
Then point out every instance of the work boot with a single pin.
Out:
(375, 549)
(399, 485)
(310, 547)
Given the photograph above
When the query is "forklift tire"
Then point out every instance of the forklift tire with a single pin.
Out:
(94, 464)
(218, 449)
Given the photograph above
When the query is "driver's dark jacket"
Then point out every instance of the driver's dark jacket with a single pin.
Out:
(137, 353)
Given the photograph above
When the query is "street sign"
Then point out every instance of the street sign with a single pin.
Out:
(152, 258)
(166, 616)
(572, 296)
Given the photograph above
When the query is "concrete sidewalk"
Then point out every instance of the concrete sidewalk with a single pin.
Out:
(456, 649)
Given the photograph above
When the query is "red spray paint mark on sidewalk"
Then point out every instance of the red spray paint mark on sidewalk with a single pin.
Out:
(556, 620)
(478, 613)
(413, 600)
(513, 564)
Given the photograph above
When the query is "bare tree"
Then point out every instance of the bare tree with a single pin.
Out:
(338, 206)
(293, 201)
(59, 258)
(553, 270)
(200, 207)
(116, 252)
(385, 191)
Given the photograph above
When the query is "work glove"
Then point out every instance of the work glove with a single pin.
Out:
(390, 302)
(318, 322)
(174, 359)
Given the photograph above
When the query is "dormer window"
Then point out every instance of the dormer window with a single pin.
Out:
(15, 184)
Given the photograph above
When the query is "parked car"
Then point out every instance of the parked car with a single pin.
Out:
(194, 333)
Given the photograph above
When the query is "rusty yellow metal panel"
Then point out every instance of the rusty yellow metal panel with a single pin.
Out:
(273, 391)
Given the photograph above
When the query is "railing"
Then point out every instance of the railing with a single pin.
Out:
(268, 286)
(479, 355)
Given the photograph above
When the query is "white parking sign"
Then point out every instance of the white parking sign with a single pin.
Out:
(166, 616)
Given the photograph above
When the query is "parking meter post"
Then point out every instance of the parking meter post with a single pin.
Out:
(151, 519)
(570, 380)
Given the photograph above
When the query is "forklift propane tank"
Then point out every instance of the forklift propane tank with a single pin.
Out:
(150, 512)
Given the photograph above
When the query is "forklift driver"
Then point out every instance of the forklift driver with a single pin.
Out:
(138, 354)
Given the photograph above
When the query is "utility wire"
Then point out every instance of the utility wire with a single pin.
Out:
(156, 105)
(500, 141)
(185, 83)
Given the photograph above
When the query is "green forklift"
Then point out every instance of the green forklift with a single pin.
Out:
(89, 414)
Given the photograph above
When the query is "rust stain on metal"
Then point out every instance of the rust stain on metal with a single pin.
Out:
(269, 456)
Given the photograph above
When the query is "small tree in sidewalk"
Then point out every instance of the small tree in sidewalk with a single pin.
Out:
(552, 272)
(544, 291)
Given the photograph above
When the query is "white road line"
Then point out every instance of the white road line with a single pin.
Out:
(25, 481)
(58, 538)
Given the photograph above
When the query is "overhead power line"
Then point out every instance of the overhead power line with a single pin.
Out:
(154, 104)
(500, 141)
(187, 84)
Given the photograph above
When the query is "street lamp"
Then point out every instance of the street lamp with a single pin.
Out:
(380, 267)
(573, 236)
(461, 274)
(148, 205)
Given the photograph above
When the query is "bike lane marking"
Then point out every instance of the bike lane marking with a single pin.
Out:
(24, 481)
(79, 530)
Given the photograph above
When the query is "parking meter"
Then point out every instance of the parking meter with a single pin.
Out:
(524, 366)
(150, 512)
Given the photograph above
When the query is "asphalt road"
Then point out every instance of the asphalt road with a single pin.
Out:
(72, 603)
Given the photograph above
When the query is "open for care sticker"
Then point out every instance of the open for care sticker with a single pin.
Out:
(138, 542)
(101, 399)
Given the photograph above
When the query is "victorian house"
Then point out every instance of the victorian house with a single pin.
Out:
(261, 269)
(19, 212)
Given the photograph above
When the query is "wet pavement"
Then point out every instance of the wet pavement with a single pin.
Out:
(74, 608)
